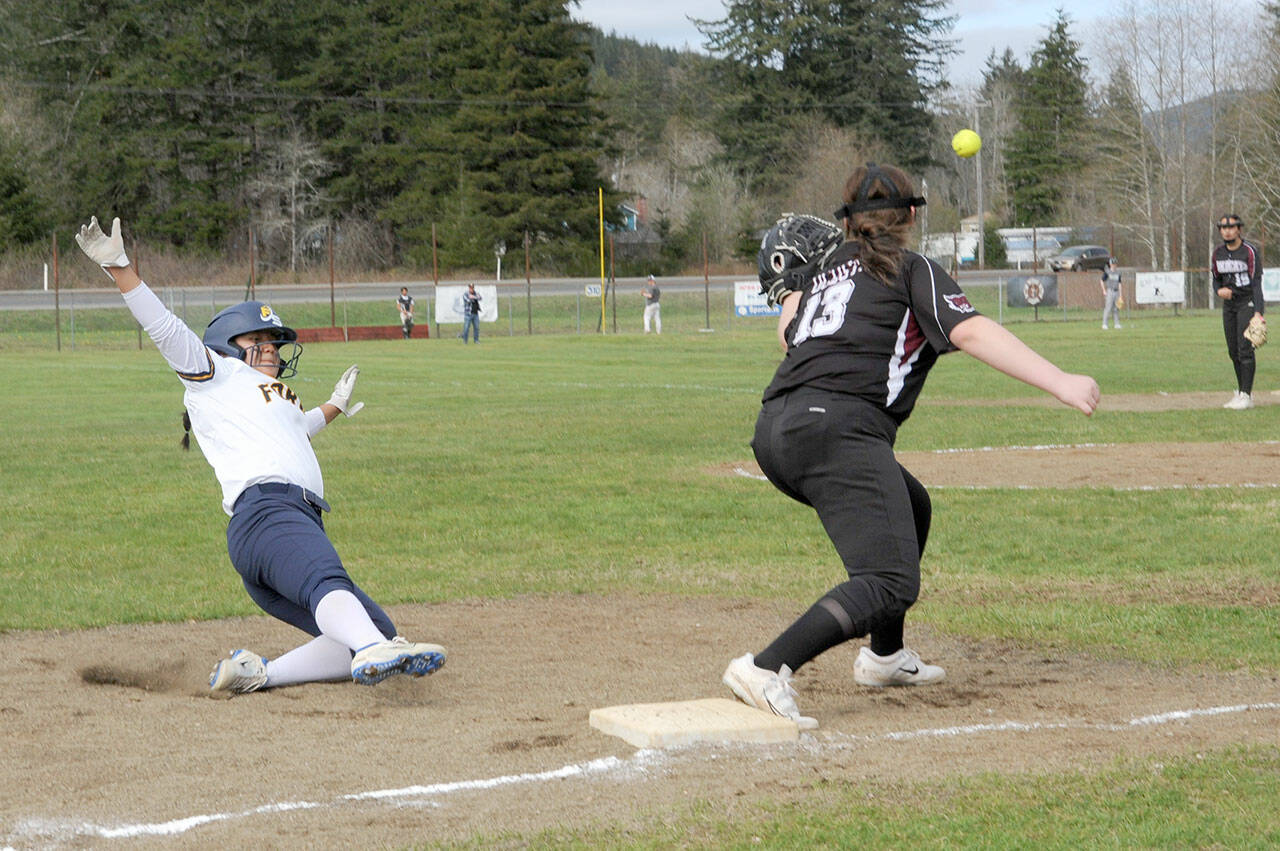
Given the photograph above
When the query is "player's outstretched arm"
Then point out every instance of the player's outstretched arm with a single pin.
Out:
(107, 250)
(182, 348)
(990, 343)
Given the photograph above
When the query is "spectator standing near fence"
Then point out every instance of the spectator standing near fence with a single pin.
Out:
(405, 305)
(1110, 284)
(862, 331)
(470, 313)
(256, 435)
(1236, 267)
(652, 307)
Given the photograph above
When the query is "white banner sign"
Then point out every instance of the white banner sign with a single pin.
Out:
(1160, 288)
(449, 303)
(749, 301)
(1271, 284)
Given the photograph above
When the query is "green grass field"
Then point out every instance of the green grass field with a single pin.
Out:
(581, 463)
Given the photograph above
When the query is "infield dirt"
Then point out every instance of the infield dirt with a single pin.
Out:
(111, 738)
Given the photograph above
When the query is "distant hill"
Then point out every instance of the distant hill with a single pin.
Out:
(1199, 115)
(614, 53)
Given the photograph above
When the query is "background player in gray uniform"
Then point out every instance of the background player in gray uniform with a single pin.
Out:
(255, 434)
(1236, 267)
(1110, 283)
(652, 305)
(861, 336)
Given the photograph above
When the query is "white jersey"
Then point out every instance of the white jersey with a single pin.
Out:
(251, 428)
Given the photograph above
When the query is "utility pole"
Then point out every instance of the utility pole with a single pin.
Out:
(982, 220)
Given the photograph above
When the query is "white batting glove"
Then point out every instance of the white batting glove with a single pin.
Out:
(105, 249)
(341, 398)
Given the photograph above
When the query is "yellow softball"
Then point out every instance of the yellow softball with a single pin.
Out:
(966, 143)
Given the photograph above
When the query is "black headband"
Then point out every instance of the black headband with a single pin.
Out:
(861, 203)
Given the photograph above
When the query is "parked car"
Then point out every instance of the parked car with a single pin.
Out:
(1078, 257)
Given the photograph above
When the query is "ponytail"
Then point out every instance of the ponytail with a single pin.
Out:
(186, 429)
(882, 246)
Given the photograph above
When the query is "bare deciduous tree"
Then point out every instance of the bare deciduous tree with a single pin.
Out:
(286, 198)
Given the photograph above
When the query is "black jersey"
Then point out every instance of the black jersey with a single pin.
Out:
(1241, 270)
(854, 334)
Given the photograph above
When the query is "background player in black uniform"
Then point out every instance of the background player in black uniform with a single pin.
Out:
(1236, 266)
(861, 336)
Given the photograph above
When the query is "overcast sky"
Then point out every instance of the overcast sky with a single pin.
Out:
(981, 25)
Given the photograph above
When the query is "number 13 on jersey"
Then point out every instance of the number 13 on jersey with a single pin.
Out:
(833, 301)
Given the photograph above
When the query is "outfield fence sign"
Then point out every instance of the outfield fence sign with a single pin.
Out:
(1271, 284)
(749, 301)
(1032, 291)
(449, 303)
(1160, 288)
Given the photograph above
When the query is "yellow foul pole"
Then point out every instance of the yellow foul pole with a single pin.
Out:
(600, 191)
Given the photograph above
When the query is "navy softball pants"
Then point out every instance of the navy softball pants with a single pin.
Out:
(278, 545)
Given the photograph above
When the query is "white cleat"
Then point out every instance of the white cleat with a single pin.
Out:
(241, 673)
(373, 664)
(765, 690)
(1240, 402)
(903, 668)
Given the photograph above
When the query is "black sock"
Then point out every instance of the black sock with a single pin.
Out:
(887, 638)
(822, 627)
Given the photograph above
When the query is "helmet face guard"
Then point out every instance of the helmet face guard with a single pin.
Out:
(245, 318)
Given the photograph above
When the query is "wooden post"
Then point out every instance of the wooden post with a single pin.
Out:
(613, 286)
(137, 268)
(706, 279)
(57, 307)
(253, 266)
(333, 306)
(435, 274)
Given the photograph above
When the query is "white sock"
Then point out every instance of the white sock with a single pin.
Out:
(319, 660)
(340, 616)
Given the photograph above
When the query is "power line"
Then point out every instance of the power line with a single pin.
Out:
(375, 99)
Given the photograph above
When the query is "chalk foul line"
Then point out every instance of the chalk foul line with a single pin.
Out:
(640, 761)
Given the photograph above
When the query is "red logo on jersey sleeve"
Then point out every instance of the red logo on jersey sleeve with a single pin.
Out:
(959, 303)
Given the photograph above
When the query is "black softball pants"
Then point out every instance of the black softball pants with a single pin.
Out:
(1235, 318)
(834, 452)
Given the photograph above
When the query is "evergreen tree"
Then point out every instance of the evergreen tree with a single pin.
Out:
(383, 72)
(868, 66)
(154, 103)
(23, 217)
(1002, 83)
(995, 254)
(1045, 152)
(531, 128)
(1002, 76)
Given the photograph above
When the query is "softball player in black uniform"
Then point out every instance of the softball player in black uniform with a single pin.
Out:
(1236, 266)
(860, 338)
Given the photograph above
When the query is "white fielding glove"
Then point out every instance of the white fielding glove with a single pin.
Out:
(105, 249)
(341, 398)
